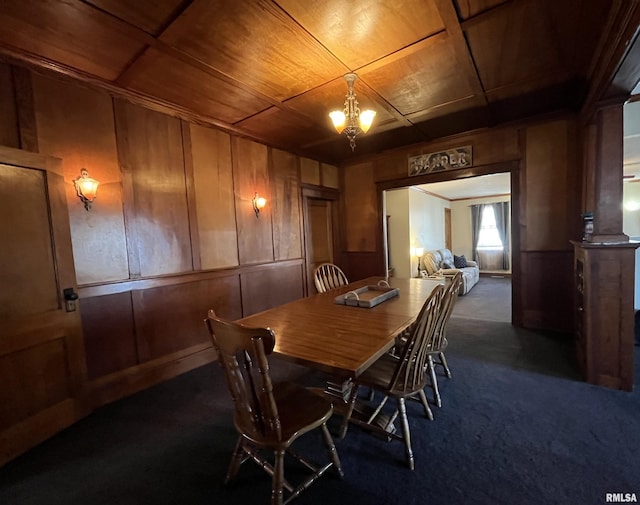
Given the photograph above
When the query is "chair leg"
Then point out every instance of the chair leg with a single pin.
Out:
(236, 460)
(352, 403)
(331, 449)
(425, 405)
(434, 381)
(406, 434)
(443, 360)
(278, 478)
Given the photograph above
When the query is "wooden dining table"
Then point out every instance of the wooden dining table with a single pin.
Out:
(339, 339)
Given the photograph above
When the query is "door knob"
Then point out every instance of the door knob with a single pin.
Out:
(70, 297)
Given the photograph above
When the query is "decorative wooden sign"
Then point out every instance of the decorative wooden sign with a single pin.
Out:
(459, 157)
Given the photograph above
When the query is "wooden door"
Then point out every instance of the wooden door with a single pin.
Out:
(447, 229)
(319, 236)
(321, 230)
(42, 367)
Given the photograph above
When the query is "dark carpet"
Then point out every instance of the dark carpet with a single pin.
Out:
(517, 426)
(489, 300)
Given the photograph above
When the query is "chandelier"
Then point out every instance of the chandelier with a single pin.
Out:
(351, 120)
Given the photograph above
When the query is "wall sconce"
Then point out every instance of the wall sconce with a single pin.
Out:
(86, 187)
(258, 204)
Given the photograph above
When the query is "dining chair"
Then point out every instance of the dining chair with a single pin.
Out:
(328, 276)
(440, 343)
(400, 377)
(268, 416)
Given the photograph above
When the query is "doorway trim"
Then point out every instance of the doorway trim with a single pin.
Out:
(447, 228)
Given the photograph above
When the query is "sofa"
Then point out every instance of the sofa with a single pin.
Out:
(432, 262)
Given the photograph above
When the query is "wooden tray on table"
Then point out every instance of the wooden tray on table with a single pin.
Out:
(367, 296)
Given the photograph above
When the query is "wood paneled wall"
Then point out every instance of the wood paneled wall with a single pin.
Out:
(549, 205)
(287, 222)
(546, 156)
(208, 158)
(152, 165)
(8, 117)
(250, 176)
(77, 125)
(172, 231)
(361, 214)
(268, 287)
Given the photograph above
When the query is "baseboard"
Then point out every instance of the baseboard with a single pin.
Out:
(19, 438)
(138, 378)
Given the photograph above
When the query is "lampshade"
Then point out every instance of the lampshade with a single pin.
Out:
(258, 204)
(86, 188)
(339, 120)
(366, 119)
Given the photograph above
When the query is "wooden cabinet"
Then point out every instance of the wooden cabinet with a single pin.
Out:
(604, 288)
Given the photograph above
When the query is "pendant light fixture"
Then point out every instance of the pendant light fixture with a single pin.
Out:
(350, 119)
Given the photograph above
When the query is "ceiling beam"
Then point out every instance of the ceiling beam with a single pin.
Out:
(452, 25)
(615, 44)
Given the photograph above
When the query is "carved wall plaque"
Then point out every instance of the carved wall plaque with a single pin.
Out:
(458, 157)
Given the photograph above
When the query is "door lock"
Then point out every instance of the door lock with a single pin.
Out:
(70, 297)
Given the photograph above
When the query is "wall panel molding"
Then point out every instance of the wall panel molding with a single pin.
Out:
(152, 164)
(251, 176)
(9, 135)
(213, 222)
(287, 220)
(167, 280)
(26, 113)
(258, 291)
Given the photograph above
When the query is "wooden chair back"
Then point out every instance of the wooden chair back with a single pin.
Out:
(448, 303)
(409, 375)
(243, 356)
(329, 276)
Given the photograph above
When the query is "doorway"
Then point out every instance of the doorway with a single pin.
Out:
(321, 230)
(438, 215)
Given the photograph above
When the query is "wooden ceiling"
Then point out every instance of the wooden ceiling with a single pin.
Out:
(273, 69)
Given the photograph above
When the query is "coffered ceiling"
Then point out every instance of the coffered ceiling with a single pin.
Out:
(273, 69)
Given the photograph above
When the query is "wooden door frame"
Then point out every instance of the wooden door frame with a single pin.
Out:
(319, 193)
(514, 168)
(447, 228)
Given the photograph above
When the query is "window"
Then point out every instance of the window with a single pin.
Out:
(489, 238)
